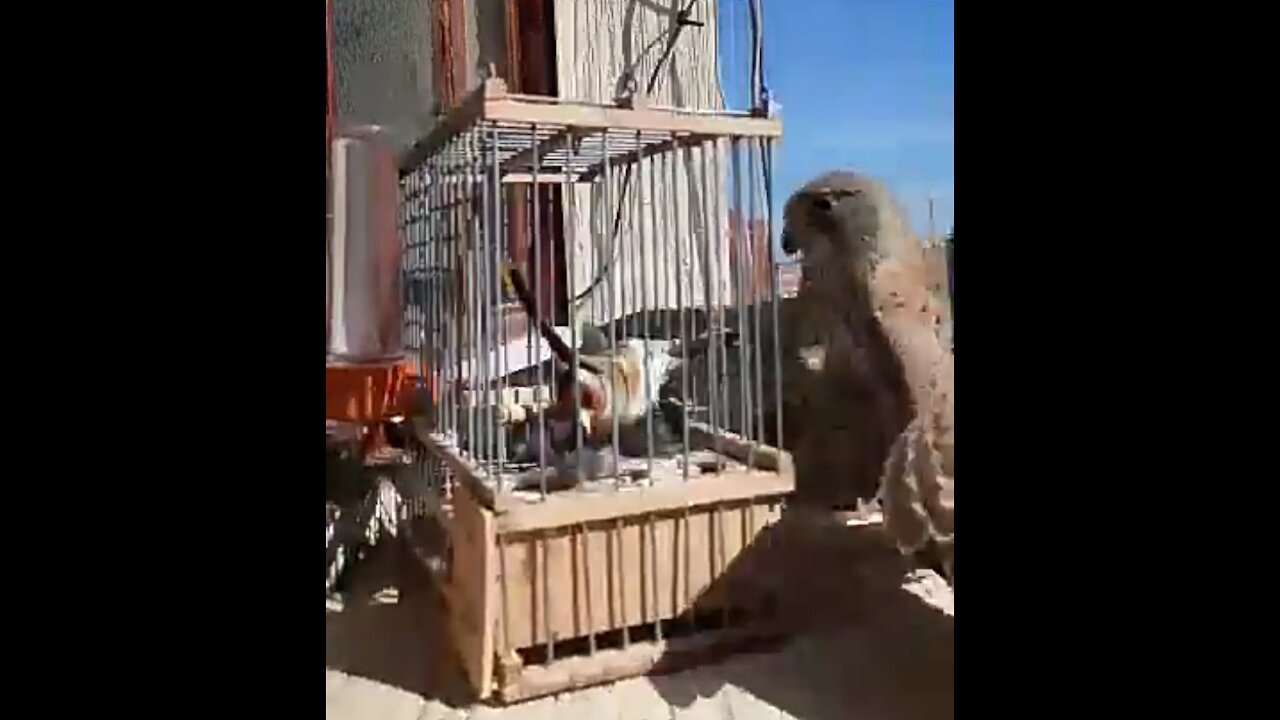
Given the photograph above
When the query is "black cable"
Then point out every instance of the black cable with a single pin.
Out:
(757, 56)
(760, 92)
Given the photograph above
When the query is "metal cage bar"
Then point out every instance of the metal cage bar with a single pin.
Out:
(682, 370)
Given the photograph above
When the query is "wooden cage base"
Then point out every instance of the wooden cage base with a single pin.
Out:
(536, 590)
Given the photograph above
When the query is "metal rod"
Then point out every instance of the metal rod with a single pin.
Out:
(708, 293)
(717, 215)
(666, 233)
(627, 270)
(453, 318)
(717, 381)
(611, 279)
(530, 195)
(553, 267)
(438, 236)
(629, 275)
(420, 234)
(647, 272)
(440, 369)
(739, 241)
(686, 399)
(752, 260)
(571, 274)
(480, 380)
(498, 254)
(774, 295)
(484, 309)
(423, 316)
(662, 259)
(535, 190)
(474, 306)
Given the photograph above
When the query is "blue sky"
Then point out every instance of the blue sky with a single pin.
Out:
(866, 85)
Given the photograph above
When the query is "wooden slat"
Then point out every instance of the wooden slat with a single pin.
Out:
(561, 570)
(650, 569)
(764, 457)
(491, 101)
(596, 117)
(566, 509)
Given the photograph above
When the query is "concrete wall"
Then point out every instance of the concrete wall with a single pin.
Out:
(383, 61)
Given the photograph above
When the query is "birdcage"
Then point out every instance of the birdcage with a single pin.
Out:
(648, 230)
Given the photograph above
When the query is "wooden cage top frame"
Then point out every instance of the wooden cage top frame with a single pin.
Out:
(657, 129)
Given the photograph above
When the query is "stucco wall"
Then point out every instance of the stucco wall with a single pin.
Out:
(383, 61)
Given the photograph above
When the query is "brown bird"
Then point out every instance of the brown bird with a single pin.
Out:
(876, 382)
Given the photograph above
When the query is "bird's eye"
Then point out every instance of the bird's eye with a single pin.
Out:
(822, 202)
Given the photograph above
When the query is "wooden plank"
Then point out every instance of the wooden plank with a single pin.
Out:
(470, 593)
(567, 583)
(729, 544)
(566, 509)
(560, 595)
(627, 534)
(491, 101)
(599, 117)
(764, 457)
(522, 613)
(662, 560)
(702, 561)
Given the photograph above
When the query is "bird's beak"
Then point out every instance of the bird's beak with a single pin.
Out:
(788, 243)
